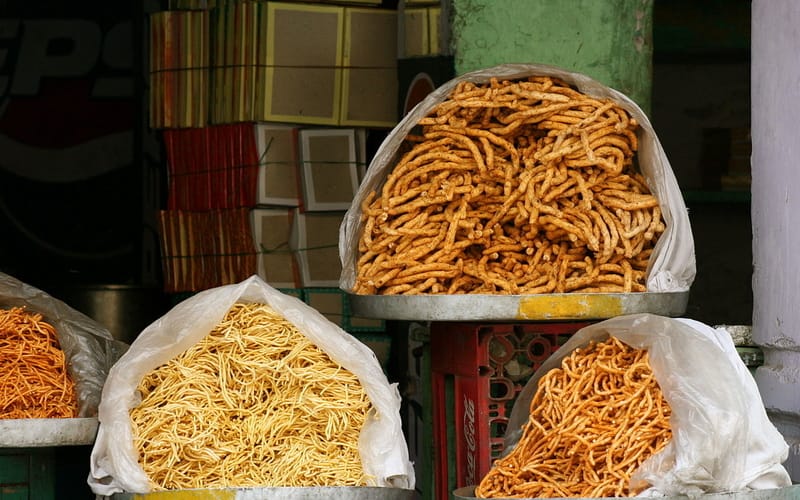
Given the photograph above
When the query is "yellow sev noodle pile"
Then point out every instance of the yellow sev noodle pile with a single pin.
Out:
(34, 381)
(592, 422)
(252, 404)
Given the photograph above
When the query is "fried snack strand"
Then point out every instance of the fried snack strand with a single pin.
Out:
(254, 403)
(592, 423)
(34, 381)
(499, 171)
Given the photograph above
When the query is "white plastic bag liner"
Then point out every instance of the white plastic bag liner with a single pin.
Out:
(114, 461)
(722, 440)
(89, 348)
(672, 265)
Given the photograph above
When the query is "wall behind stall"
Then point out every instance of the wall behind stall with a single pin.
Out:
(76, 196)
(701, 113)
(490, 32)
(776, 149)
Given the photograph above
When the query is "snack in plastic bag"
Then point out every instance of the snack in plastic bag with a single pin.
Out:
(593, 421)
(89, 350)
(722, 439)
(253, 390)
(535, 190)
(207, 329)
(35, 380)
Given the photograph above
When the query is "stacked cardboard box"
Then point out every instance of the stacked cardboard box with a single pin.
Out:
(211, 167)
(369, 79)
(278, 175)
(297, 224)
(205, 249)
(266, 108)
(425, 61)
(419, 29)
(246, 61)
(334, 304)
(330, 65)
(179, 59)
(209, 4)
(329, 160)
(272, 228)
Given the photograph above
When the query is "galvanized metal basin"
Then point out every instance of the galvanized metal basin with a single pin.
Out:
(787, 493)
(543, 307)
(43, 432)
(275, 493)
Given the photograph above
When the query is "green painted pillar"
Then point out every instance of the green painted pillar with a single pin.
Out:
(608, 40)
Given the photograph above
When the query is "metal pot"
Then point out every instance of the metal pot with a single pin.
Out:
(125, 310)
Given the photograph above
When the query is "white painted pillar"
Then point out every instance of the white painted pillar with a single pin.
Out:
(775, 128)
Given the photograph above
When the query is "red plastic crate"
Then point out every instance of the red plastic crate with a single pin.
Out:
(477, 372)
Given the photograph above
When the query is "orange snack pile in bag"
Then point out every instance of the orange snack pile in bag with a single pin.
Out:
(593, 422)
(520, 186)
(34, 382)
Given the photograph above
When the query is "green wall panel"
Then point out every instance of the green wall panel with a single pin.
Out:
(608, 40)
(26, 474)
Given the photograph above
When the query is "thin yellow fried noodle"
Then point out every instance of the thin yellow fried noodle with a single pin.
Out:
(254, 403)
